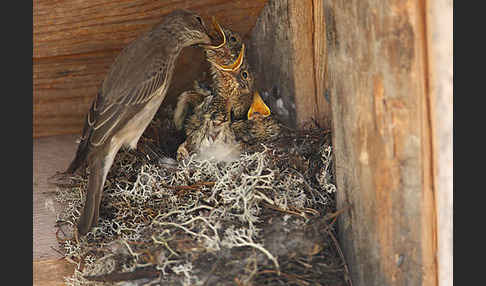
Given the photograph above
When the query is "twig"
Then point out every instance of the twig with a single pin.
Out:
(312, 211)
(195, 186)
(336, 213)
(334, 216)
(348, 276)
(164, 243)
(283, 211)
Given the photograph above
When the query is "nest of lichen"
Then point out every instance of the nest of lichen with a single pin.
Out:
(266, 218)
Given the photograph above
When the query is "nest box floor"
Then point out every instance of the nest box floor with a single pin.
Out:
(51, 154)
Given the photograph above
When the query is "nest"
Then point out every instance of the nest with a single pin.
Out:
(266, 218)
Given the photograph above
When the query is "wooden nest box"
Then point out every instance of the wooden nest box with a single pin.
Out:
(378, 73)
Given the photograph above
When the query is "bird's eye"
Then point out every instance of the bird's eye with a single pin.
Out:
(199, 19)
(244, 75)
(232, 39)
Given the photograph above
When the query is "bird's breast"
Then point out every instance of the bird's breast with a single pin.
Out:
(133, 130)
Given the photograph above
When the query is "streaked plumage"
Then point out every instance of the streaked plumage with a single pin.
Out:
(258, 129)
(209, 116)
(130, 95)
(218, 56)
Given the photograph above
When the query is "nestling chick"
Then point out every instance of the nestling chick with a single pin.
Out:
(211, 118)
(221, 58)
(257, 129)
(208, 128)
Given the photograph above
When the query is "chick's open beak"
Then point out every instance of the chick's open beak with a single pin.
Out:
(258, 106)
(220, 30)
(234, 66)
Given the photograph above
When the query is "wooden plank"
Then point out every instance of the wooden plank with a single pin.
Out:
(322, 104)
(75, 43)
(440, 56)
(76, 27)
(63, 90)
(301, 41)
(51, 154)
(51, 272)
(377, 81)
(287, 53)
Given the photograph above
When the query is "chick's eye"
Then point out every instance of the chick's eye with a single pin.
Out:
(244, 75)
(199, 19)
(232, 39)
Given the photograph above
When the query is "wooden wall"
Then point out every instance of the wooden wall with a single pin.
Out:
(286, 51)
(440, 75)
(383, 65)
(75, 43)
(384, 132)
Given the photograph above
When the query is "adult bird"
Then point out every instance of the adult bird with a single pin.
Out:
(128, 99)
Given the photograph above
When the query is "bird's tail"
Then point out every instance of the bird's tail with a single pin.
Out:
(98, 169)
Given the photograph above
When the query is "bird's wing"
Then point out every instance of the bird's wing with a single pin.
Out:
(144, 68)
(112, 115)
(140, 69)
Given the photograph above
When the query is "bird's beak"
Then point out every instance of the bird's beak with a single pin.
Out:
(220, 30)
(258, 106)
(234, 66)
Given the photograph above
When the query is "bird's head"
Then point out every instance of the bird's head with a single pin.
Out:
(188, 27)
(229, 48)
(232, 74)
(238, 86)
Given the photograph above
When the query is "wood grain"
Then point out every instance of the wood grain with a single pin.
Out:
(302, 53)
(51, 272)
(381, 111)
(287, 52)
(440, 62)
(323, 105)
(75, 43)
(51, 155)
(77, 27)
(308, 39)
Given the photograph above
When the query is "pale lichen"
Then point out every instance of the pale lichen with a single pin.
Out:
(165, 216)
